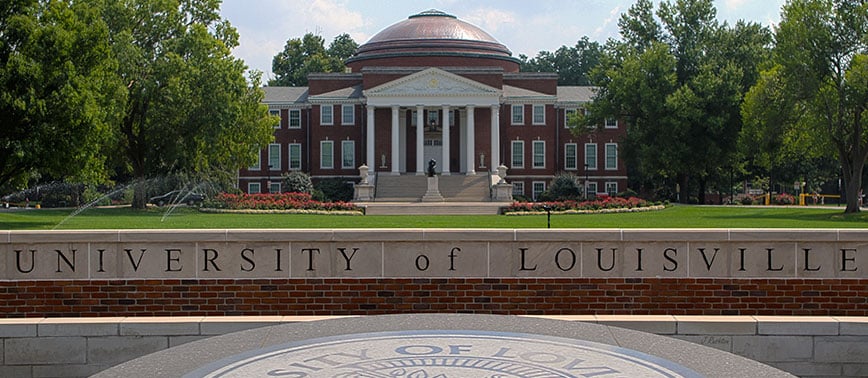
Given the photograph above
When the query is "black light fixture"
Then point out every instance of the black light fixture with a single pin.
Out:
(432, 125)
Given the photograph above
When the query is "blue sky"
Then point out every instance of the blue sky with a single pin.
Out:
(524, 26)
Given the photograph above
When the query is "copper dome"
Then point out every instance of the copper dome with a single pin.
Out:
(432, 34)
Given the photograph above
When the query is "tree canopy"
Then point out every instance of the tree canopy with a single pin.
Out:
(188, 105)
(305, 55)
(58, 93)
(815, 96)
(572, 64)
(677, 79)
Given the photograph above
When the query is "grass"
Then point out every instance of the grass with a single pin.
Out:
(672, 217)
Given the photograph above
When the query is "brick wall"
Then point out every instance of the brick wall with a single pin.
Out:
(367, 296)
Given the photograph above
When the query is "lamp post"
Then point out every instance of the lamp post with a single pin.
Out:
(586, 181)
(548, 210)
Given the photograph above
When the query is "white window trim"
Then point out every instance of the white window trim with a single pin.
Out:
(322, 121)
(515, 188)
(289, 156)
(613, 126)
(353, 153)
(612, 183)
(289, 122)
(512, 154)
(567, 116)
(589, 185)
(271, 166)
(596, 156)
(533, 192)
(352, 112)
(250, 186)
(533, 152)
(575, 156)
(276, 112)
(606, 151)
(512, 114)
(321, 163)
(258, 165)
(542, 113)
(271, 186)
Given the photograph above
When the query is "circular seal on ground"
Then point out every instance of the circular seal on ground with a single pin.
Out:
(443, 354)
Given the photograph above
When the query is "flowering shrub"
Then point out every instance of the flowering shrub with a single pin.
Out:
(275, 201)
(783, 199)
(608, 203)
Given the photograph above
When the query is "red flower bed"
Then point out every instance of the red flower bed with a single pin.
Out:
(275, 201)
(599, 204)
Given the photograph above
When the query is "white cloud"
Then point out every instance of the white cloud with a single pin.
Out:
(489, 19)
(334, 17)
(733, 4)
(601, 30)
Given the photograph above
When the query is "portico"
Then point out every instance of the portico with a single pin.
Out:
(435, 105)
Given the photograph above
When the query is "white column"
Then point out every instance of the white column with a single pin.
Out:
(420, 140)
(372, 162)
(445, 163)
(396, 146)
(495, 137)
(471, 142)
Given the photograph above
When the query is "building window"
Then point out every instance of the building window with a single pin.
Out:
(587, 113)
(538, 188)
(348, 154)
(275, 113)
(413, 116)
(257, 165)
(590, 156)
(348, 114)
(611, 156)
(592, 189)
(295, 156)
(452, 117)
(539, 114)
(326, 154)
(518, 114)
(611, 123)
(325, 116)
(612, 188)
(539, 154)
(294, 118)
(433, 117)
(568, 113)
(254, 188)
(274, 156)
(518, 188)
(571, 157)
(274, 187)
(517, 154)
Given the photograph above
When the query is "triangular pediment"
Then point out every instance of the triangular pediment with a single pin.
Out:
(432, 82)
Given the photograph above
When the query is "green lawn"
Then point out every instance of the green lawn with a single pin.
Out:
(672, 217)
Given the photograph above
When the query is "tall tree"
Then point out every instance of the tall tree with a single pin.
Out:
(302, 56)
(57, 91)
(817, 93)
(678, 81)
(188, 105)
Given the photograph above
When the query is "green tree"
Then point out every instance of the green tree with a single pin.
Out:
(189, 108)
(302, 56)
(816, 96)
(572, 64)
(57, 91)
(678, 82)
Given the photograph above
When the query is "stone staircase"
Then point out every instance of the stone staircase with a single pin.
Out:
(401, 195)
(411, 188)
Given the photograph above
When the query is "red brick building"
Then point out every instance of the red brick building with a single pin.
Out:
(435, 87)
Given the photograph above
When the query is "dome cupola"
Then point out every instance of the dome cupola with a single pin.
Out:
(432, 38)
